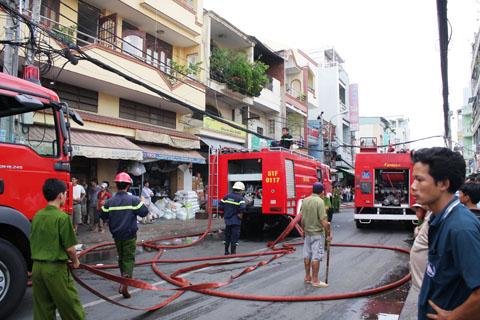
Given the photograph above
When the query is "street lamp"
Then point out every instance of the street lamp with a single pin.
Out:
(330, 134)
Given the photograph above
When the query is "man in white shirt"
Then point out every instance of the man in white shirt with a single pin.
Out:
(78, 196)
(147, 193)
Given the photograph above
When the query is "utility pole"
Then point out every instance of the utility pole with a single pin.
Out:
(30, 58)
(10, 66)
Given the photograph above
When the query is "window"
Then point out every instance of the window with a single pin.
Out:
(271, 126)
(341, 92)
(157, 52)
(133, 42)
(108, 30)
(88, 20)
(76, 97)
(49, 11)
(40, 138)
(192, 60)
(233, 114)
(260, 130)
(139, 112)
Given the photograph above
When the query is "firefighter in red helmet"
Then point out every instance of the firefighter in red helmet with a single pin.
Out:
(122, 211)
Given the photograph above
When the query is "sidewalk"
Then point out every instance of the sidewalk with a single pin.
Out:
(409, 310)
(161, 228)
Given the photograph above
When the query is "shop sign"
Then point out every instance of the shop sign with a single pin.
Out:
(106, 153)
(260, 142)
(215, 125)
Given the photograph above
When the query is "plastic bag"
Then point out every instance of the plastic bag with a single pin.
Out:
(137, 169)
(182, 214)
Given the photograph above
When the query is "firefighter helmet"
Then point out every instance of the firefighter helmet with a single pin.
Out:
(123, 177)
(239, 186)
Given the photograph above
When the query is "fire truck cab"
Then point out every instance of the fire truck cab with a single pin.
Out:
(382, 185)
(34, 146)
(275, 180)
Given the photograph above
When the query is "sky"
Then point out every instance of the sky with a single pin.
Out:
(390, 48)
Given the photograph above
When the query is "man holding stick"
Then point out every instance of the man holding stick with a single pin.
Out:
(314, 221)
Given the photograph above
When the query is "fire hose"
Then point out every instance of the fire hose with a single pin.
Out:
(182, 284)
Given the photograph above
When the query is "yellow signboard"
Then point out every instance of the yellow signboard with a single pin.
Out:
(212, 124)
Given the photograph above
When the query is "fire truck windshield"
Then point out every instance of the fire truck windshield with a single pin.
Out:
(25, 120)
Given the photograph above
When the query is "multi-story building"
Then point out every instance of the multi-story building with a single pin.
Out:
(333, 98)
(475, 98)
(465, 133)
(399, 131)
(126, 124)
(375, 127)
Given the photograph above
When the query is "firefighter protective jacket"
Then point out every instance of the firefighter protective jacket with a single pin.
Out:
(121, 212)
(286, 141)
(231, 205)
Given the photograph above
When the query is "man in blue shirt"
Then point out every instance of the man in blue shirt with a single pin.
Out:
(451, 285)
(233, 206)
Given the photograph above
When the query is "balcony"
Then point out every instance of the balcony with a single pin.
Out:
(270, 97)
(467, 131)
(467, 109)
(296, 94)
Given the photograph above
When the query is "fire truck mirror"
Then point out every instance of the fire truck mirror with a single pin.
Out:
(366, 187)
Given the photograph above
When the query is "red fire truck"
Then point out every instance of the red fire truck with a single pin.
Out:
(34, 146)
(275, 180)
(382, 185)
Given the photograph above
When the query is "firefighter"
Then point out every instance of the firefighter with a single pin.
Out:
(52, 244)
(233, 206)
(287, 139)
(121, 212)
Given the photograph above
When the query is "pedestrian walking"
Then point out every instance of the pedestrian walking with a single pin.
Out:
(83, 203)
(314, 222)
(92, 195)
(451, 285)
(52, 243)
(121, 211)
(147, 194)
(78, 196)
(102, 198)
(233, 206)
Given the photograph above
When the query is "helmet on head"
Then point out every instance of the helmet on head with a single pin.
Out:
(239, 186)
(123, 177)
(318, 187)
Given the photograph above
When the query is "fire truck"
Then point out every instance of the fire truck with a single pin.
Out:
(34, 146)
(382, 185)
(275, 180)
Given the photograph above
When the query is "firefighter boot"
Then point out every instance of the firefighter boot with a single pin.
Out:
(234, 248)
(226, 249)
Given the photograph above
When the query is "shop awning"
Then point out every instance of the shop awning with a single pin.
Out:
(347, 170)
(217, 144)
(104, 146)
(172, 154)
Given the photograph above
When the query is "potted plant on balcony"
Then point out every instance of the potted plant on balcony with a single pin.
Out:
(237, 73)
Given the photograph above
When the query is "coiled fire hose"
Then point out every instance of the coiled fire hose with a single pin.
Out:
(183, 284)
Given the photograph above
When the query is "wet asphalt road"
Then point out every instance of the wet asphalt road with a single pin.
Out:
(351, 269)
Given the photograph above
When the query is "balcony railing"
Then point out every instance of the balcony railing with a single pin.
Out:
(300, 96)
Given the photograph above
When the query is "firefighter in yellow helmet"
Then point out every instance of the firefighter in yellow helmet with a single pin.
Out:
(233, 207)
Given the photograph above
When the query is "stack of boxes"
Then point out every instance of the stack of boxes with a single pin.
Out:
(197, 186)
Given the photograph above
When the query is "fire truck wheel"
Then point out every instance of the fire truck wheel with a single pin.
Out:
(13, 278)
(360, 225)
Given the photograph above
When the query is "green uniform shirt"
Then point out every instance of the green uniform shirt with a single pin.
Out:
(51, 234)
(327, 202)
(313, 211)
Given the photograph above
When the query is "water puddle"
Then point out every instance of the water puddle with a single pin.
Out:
(387, 305)
(105, 255)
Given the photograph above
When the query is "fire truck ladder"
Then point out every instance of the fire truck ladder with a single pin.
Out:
(212, 203)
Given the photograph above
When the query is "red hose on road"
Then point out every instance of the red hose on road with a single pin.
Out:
(183, 284)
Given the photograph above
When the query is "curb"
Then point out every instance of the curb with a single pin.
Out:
(409, 310)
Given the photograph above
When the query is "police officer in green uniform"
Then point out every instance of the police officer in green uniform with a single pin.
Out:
(121, 211)
(52, 243)
(336, 199)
